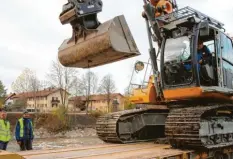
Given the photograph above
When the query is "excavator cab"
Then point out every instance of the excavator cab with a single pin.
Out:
(93, 43)
(195, 56)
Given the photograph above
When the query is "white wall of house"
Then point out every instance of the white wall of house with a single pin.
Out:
(37, 103)
(102, 105)
(45, 104)
(56, 96)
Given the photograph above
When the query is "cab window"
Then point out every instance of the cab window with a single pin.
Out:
(227, 48)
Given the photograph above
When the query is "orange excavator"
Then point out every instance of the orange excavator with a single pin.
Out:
(188, 100)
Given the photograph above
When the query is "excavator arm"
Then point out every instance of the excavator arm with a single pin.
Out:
(93, 43)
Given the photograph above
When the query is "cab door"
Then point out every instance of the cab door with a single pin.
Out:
(226, 61)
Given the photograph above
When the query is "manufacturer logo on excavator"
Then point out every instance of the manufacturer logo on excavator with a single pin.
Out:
(90, 6)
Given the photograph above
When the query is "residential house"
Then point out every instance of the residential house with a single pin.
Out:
(98, 102)
(9, 100)
(44, 100)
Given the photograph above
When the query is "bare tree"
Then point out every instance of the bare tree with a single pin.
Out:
(35, 86)
(44, 84)
(93, 83)
(88, 86)
(63, 78)
(27, 81)
(76, 87)
(107, 87)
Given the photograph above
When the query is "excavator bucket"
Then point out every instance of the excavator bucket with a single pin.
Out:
(112, 41)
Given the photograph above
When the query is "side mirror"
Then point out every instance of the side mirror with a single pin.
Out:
(139, 66)
(204, 29)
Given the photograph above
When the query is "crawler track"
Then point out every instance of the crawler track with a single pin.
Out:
(200, 127)
(132, 125)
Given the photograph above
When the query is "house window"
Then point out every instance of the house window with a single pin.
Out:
(54, 105)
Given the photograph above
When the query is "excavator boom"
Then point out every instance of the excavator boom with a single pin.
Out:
(93, 43)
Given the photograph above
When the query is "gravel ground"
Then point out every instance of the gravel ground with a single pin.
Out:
(70, 139)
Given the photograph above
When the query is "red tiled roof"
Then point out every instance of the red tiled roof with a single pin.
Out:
(10, 96)
(96, 97)
(42, 93)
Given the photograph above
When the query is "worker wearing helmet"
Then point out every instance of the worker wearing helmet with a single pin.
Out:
(5, 134)
(24, 132)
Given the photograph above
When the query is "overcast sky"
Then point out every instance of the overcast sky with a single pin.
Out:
(30, 34)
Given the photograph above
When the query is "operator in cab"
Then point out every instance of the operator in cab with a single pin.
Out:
(203, 56)
(203, 53)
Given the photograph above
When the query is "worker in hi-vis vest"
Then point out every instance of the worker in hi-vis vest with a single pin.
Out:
(24, 132)
(5, 133)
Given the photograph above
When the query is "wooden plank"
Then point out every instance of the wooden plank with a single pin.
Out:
(113, 151)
